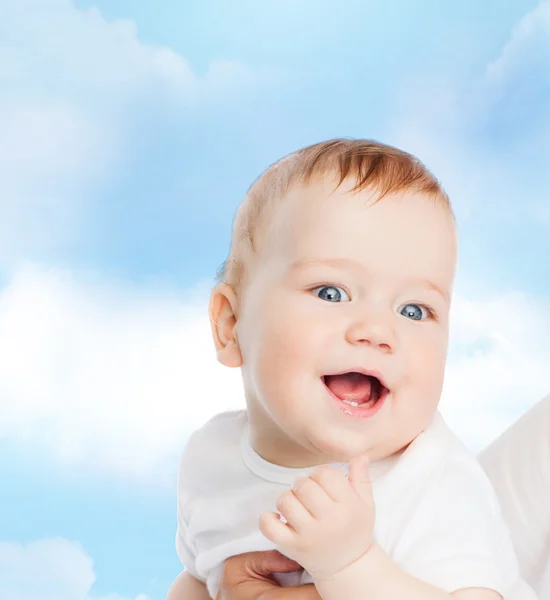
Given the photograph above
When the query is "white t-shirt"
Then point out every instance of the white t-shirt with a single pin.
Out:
(437, 515)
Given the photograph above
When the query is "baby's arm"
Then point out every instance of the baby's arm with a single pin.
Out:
(186, 587)
(376, 577)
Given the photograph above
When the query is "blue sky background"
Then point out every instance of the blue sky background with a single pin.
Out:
(130, 131)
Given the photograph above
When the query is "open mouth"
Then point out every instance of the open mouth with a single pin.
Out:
(356, 388)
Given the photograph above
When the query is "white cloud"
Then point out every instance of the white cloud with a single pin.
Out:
(529, 44)
(486, 138)
(104, 375)
(115, 378)
(73, 87)
(517, 88)
(498, 364)
(48, 569)
(97, 62)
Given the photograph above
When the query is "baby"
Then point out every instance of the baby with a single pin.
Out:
(334, 302)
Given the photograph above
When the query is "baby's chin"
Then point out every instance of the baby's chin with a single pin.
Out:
(343, 446)
(338, 447)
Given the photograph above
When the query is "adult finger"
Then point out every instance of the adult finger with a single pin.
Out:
(301, 592)
(247, 576)
(250, 565)
(268, 562)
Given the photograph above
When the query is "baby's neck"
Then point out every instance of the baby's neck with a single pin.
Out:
(278, 449)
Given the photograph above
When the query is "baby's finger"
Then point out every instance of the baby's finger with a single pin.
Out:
(333, 482)
(292, 509)
(359, 477)
(275, 530)
(314, 498)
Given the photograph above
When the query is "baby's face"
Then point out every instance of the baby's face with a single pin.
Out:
(344, 286)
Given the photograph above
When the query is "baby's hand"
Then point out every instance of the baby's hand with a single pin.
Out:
(329, 519)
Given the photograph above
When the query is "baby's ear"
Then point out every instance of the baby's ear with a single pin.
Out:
(223, 321)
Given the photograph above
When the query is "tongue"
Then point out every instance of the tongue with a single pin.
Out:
(355, 387)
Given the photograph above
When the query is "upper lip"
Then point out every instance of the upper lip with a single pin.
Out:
(368, 372)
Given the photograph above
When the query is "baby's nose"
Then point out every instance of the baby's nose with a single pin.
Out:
(373, 331)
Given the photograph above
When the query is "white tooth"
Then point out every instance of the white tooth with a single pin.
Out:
(350, 402)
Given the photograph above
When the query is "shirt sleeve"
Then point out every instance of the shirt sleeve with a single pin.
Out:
(457, 537)
(185, 552)
(185, 547)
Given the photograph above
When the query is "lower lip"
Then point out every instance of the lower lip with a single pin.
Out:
(357, 412)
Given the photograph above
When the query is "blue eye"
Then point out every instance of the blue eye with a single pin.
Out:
(331, 293)
(414, 312)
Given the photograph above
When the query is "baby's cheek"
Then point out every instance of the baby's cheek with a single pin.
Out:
(279, 354)
(431, 370)
(290, 340)
(425, 362)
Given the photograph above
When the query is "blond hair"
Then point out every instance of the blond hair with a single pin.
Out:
(372, 165)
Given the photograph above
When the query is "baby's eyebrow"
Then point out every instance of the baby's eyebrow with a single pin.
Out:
(430, 285)
(316, 262)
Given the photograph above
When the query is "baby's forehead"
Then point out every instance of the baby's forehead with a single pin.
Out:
(394, 233)
(325, 200)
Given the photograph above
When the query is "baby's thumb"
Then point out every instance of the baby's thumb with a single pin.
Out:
(359, 477)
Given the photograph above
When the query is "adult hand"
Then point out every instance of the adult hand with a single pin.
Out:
(250, 577)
